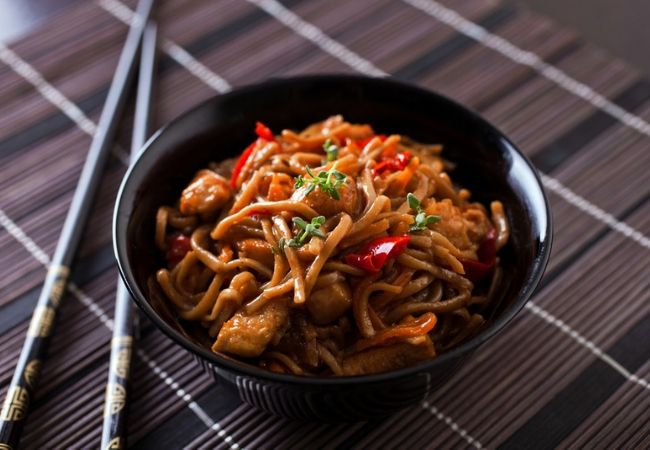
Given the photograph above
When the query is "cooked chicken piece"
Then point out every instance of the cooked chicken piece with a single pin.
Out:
(465, 226)
(248, 335)
(323, 203)
(329, 303)
(392, 357)
(207, 193)
(257, 249)
(277, 186)
(300, 342)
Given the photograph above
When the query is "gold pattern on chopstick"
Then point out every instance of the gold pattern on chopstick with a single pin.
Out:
(117, 396)
(32, 370)
(122, 364)
(15, 405)
(122, 340)
(4, 446)
(114, 444)
(58, 288)
(42, 322)
(122, 347)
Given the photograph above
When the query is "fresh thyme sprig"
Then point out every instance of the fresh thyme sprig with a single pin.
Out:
(307, 230)
(422, 221)
(328, 180)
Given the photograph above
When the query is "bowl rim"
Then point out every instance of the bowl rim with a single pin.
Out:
(239, 367)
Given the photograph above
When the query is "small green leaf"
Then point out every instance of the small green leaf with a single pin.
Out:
(307, 230)
(294, 243)
(279, 250)
(413, 201)
(331, 150)
(299, 221)
(421, 220)
(328, 180)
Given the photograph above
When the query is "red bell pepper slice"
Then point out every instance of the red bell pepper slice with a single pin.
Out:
(476, 271)
(264, 132)
(487, 253)
(241, 162)
(392, 163)
(363, 142)
(177, 247)
(373, 256)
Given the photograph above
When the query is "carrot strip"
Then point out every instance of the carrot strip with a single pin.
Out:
(420, 326)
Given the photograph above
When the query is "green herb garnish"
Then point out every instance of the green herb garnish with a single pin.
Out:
(306, 230)
(279, 250)
(331, 150)
(422, 221)
(328, 180)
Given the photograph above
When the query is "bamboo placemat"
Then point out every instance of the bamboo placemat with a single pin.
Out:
(571, 371)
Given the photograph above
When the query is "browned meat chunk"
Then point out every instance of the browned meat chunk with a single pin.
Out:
(300, 342)
(323, 203)
(257, 249)
(329, 303)
(383, 359)
(247, 335)
(465, 226)
(206, 194)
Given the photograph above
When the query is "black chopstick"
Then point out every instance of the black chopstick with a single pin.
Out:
(26, 375)
(115, 403)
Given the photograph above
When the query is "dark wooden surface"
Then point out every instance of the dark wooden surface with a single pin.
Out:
(619, 26)
(572, 370)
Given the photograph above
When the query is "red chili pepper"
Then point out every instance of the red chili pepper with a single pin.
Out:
(392, 163)
(177, 247)
(487, 253)
(363, 142)
(264, 132)
(373, 256)
(241, 162)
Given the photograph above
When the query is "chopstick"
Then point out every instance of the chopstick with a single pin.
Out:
(26, 374)
(115, 403)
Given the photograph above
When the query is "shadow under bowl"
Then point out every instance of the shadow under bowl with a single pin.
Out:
(487, 163)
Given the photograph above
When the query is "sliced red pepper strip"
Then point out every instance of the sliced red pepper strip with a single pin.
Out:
(177, 247)
(487, 251)
(363, 142)
(419, 327)
(241, 162)
(373, 256)
(392, 163)
(477, 270)
(264, 132)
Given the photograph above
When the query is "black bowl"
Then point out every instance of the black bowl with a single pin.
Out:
(487, 163)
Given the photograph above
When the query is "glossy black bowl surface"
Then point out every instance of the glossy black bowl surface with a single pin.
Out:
(487, 163)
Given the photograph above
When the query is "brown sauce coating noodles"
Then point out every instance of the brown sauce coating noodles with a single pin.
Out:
(331, 251)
